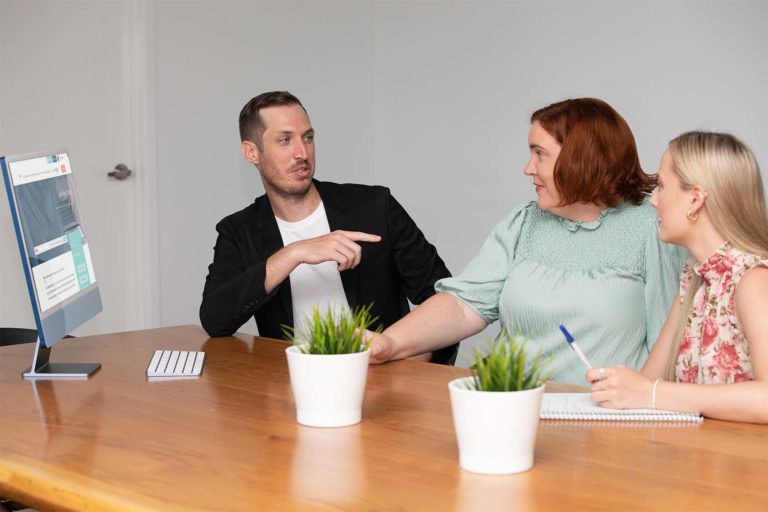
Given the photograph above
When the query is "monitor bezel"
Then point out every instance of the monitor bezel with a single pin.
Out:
(59, 320)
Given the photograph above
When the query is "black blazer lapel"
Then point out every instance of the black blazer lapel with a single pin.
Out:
(267, 236)
(340, 218)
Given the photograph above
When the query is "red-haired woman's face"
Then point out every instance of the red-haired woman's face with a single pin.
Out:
(544, 152)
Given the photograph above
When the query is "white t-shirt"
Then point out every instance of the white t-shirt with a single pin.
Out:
(312, 285)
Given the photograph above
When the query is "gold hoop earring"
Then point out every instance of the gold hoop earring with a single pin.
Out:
(692, 216)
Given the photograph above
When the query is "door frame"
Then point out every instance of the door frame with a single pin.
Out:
(139, 56)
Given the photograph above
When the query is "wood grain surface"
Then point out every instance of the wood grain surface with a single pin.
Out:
(229, 441)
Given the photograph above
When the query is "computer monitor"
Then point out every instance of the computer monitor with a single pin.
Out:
(55, 255)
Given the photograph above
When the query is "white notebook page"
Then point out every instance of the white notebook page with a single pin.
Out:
(579, 406)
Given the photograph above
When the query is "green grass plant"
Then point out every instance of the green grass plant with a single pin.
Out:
(507, 366)
(334, 332)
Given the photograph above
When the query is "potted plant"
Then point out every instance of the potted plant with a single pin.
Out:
(496, 411)
(328, 366)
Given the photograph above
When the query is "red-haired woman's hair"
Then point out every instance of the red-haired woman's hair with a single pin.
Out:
(598, 160)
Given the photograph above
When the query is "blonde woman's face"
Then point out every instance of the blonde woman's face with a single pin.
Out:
(672, 202)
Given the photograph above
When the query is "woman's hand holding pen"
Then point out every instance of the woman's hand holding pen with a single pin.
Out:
(619, 387)
(616, 387)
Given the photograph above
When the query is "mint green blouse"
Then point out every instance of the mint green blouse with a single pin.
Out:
(609, 281)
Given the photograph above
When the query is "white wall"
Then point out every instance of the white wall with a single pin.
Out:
(63, 87)
(431, 99)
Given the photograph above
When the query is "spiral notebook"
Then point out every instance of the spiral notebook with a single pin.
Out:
(579, 406)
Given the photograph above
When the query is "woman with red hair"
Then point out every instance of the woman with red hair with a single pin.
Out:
(585, 254)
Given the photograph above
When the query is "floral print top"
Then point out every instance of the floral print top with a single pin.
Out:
(713, 349)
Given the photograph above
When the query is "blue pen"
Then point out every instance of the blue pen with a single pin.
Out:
(574, 346)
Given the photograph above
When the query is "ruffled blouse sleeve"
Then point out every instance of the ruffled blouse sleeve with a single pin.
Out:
(480, 284)
(663, 263)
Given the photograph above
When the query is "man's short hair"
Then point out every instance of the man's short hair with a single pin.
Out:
(252, 126)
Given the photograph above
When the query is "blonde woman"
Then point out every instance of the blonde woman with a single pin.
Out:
(709, 200)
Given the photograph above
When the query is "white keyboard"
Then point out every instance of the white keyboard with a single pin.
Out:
(176, 363)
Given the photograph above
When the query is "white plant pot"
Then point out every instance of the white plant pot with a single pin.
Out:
(328, 389)
(495, 430)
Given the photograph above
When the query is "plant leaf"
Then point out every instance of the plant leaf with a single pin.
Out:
(507, 366)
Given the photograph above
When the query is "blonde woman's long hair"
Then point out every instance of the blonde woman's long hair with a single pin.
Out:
(727, 170)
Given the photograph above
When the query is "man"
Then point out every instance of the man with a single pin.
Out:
(307, 243)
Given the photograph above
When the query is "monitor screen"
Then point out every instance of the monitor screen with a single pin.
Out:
(52, 242)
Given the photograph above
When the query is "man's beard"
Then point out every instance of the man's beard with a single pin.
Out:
(296, 191)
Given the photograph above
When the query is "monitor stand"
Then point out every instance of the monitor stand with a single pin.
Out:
(42, 369)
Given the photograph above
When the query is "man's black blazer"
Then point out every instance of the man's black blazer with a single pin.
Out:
(402, 266)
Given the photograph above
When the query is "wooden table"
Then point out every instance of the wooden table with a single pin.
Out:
(229, 441)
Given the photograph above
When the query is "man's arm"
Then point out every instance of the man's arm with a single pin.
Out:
(339, 246)
(418, 264)
(416, 259)
(234, 292)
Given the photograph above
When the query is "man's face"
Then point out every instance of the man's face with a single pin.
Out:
(287, 158)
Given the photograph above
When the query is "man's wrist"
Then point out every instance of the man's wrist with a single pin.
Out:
(278, 268)
(288, 257)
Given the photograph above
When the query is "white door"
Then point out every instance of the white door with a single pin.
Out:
(73, 76)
